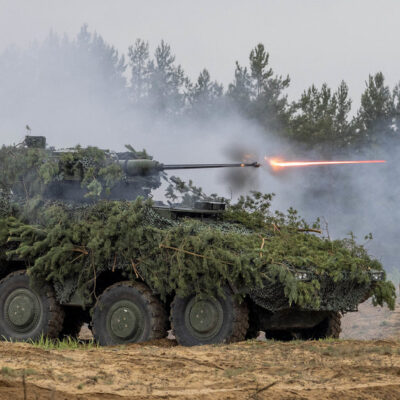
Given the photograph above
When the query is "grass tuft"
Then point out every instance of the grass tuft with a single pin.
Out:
(7, 371)
(67, 343)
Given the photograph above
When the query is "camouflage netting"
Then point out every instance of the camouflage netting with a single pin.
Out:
(70, 244)
(34, 173)
(344, 295)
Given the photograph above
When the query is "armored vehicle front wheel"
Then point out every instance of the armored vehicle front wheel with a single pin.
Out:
(26, 313)
(208, 320)
(128, 312)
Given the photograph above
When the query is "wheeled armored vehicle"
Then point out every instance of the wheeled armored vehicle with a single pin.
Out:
(81, 242)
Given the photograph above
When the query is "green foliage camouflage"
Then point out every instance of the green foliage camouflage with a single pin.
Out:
(249, 247)
(80, 242)
(28, 171)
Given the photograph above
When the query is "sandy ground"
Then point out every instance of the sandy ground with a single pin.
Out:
(348, 368)
(248, 370)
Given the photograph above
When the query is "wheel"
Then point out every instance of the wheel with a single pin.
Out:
(128, 312)
(209, 320)
(26, 313)
(73, 321)
(330, 327)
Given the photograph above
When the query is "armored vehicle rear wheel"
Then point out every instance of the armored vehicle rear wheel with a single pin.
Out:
(128, 312)
(25, 313)
(330, 327)
(209, 320)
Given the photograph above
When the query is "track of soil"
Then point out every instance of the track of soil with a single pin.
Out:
(248, 370)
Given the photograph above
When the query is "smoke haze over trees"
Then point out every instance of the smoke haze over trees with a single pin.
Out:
(82, 90)
(88, 67)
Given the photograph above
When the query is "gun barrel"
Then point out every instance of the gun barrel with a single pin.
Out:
(206, 166)
(151, 167)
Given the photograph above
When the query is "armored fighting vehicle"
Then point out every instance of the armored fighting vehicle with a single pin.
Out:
(81, 240)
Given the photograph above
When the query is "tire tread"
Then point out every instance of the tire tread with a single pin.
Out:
(56, 313)
(240, 323)
(157, 311)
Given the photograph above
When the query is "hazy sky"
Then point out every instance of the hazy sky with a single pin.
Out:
(312, 41)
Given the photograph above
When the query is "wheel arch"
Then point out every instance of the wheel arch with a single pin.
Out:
(12, 266)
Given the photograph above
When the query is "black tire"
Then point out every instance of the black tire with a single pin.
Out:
(128, 312)
(229, 322)
(73, 321)
(27, 313)
(330, 327)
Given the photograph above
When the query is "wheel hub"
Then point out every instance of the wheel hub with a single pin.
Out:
(125, 320)
(204, 317)
(22, 310)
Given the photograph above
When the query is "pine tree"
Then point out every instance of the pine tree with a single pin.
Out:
(258, 65)
(168, 83)
(102, 65)
(320, 119)
(342, 125)
(260, 93)
(270, 105)
(396, 100)
(240, 91)
(205, 94)
(376, 118)
(139, 61)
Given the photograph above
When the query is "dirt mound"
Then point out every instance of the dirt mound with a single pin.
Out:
(248, 370)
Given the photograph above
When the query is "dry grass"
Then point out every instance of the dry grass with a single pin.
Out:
(320, 370)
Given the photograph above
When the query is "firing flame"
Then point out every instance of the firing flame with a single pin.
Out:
(276, 163)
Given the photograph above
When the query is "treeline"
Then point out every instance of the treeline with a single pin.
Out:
(320, 119)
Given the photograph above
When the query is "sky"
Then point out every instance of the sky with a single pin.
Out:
(312, 41)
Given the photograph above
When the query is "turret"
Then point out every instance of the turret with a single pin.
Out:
(83, 174)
